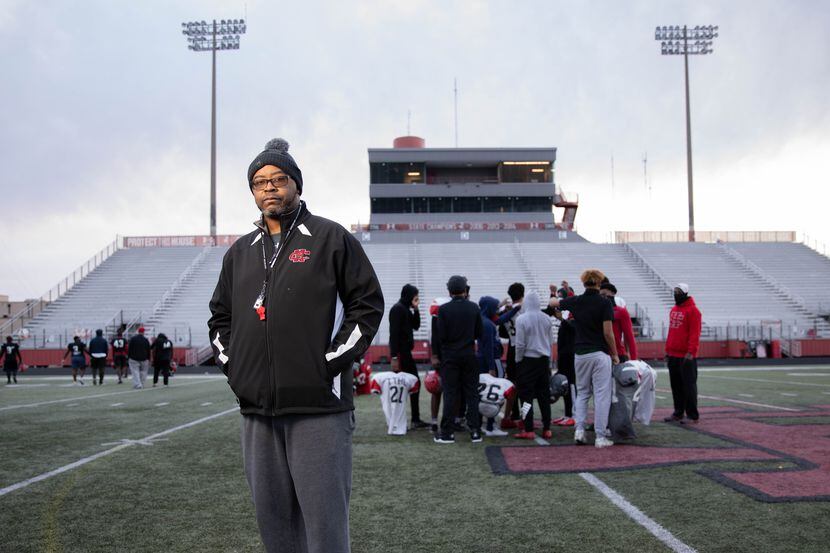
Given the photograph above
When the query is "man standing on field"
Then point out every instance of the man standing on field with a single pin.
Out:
(296, 303)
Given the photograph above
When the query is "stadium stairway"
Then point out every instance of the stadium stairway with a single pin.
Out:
(726, 290)
(128, 283)
(186, 307)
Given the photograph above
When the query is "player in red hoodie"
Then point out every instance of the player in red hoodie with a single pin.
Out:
(623, 329)
(681, 353)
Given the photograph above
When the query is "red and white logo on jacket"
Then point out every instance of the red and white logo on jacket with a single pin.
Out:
(299, 256)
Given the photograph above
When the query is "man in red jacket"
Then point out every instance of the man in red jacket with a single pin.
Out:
(681, 353)
(623, 329)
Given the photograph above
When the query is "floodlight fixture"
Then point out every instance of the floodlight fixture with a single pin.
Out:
(213, 36)
(676, 40)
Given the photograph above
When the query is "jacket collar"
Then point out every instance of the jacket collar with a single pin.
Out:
(285, 218)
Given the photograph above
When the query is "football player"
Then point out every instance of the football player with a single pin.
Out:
(492, 393)
(394, 388)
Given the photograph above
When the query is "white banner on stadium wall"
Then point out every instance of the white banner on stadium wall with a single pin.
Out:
(177, 241)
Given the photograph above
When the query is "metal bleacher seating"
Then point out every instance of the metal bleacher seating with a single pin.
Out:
(127, 285)
(727, 292)
(168, 289)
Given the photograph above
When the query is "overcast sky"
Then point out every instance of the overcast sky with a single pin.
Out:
(105, 113)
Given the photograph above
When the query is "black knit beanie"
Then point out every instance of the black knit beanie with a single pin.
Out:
(276, 154)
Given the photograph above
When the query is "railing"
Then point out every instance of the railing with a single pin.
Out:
(623, 237)
(753, 330)
(36, 306)
(760, 273)
(168, 294)
(647, 266)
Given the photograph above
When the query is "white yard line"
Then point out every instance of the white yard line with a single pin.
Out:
(764, 405)
(746, 395)
(117, 404)
(808, 374)
(126, 443)
(205, 404)
(788, 394)
(8, 407)
(637, 515)
(730, 400)
(541, 441)
(810, 384)
(162, 404)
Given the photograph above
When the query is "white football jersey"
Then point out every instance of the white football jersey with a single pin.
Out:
(493, 390)
(394, 389)
(644, 397)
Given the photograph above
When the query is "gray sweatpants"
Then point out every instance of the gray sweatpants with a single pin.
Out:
(299, 469)
(139, 369)
(593, 377)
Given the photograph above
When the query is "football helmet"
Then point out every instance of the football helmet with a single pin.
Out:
(558, 386)
(432, 382)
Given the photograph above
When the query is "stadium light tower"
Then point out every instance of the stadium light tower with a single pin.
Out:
(213, 36)
(685, 41)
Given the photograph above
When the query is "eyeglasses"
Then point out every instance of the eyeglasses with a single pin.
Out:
(278, 181)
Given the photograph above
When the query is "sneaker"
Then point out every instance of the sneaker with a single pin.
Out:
(80, 382)
(602, 441)
(419, 424)
(579, 436)
(507, 424)
(495, 433)
(434, 428)
(94, 383)
(475, 436)
(442, 439)
(673, 418)
(557, 421)
(525, 435)
(547, 434)
(564, 421)
(689, 421)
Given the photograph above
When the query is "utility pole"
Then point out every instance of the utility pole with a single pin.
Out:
(213, 36)
(675, 40)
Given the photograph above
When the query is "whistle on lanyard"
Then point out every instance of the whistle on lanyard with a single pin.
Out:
(260, 308)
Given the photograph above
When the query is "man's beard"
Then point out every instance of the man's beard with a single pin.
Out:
(277, 211)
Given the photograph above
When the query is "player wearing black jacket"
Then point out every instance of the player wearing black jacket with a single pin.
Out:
(459, 326)
(296, 303)
(404, 318)
(10, 351)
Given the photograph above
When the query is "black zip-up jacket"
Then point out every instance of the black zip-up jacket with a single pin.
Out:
(323, 305)
(403, 319)
(139, 348)
(459, 326)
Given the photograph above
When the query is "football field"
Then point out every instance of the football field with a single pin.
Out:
(103, 469)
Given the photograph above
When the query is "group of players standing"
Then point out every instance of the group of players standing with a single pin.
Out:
(467, 350)
(137, 354)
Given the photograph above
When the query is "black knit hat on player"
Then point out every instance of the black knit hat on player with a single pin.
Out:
(276, 154)
(457, 284)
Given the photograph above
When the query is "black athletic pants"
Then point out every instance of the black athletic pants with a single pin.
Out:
(11, 372)
(565, 366)
(408, 366)
(98, 365)
(164, 369)
(512, 375)
(459, 374)
(534, 383)
(683, 378)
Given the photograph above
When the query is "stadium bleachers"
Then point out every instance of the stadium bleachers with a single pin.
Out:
(736, 283)
(126, 285)
(726, 291)
(795, 266)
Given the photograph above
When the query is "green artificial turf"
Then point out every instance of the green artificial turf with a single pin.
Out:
(187, 491)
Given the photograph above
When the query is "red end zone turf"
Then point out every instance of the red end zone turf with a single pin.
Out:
(748, 436)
